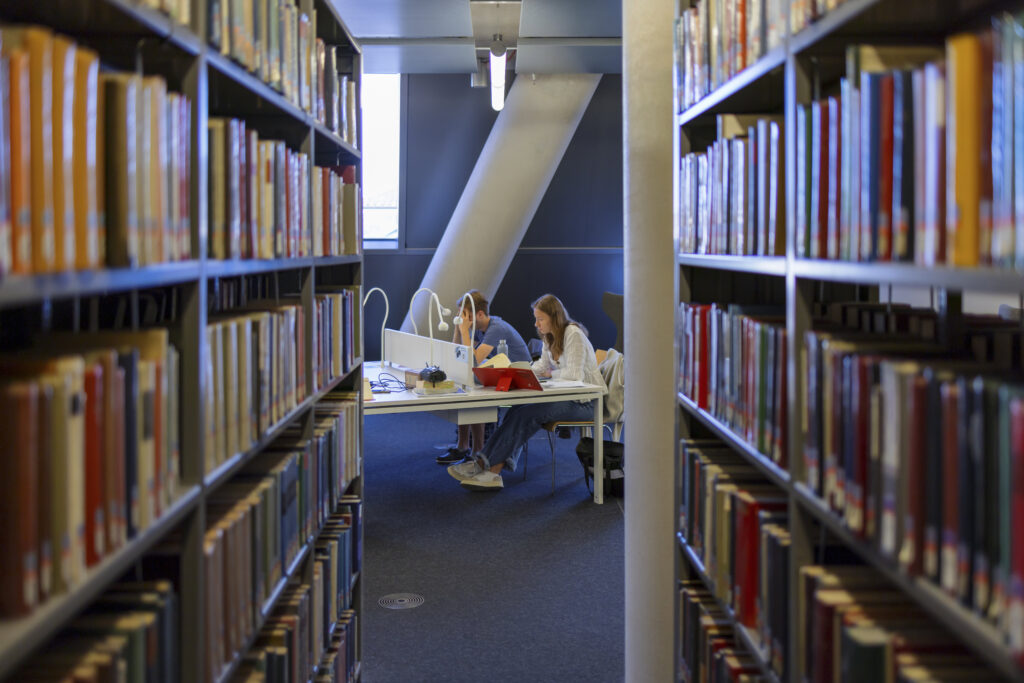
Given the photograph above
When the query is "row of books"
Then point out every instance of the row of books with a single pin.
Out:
(732, 362)
(855, 627)
(130, 633)
(717, 39)
(732, 197)
(278, 42)
(273, 663)
(256, 375)
(710, 649)
(330, 458)
(335, 335)
(919, 453)
(91, 441)
(94, 167)
(735, 522)
(914, 159)
(267, 202)
(258, 525)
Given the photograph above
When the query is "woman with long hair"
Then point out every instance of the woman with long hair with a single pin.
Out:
(567, 355)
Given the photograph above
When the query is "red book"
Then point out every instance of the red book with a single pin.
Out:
(324, 178)
(835, 165)
(857, 474)
(950, 398)
(19, 542)
(1015, 609)
(885, 170)
(746, 547)
(913, 524)
(703, 357)
(820, 177)
(780, 454)
(95, 525)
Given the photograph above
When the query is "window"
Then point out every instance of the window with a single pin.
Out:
(381, 138)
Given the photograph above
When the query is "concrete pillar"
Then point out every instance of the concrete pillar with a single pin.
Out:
(509, 180)
(650, 296)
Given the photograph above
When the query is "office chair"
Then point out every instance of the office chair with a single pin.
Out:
(612, 373)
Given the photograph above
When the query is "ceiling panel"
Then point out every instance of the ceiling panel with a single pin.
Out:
(561, 59)
(579, 18)
(405, 18)
(427, 58)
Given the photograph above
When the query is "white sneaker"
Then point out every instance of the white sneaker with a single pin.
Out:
(464, 470)
(484, 481)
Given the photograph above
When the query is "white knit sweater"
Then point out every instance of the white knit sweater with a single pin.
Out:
(577, 362)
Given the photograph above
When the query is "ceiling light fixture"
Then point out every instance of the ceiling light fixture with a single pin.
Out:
(497, 60)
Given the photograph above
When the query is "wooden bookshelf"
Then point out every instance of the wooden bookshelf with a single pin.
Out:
(805, 68)
(129, 36)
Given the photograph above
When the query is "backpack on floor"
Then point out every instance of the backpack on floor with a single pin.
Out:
(614, 475)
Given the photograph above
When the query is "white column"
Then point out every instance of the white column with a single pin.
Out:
(649, 339)
(509, 180)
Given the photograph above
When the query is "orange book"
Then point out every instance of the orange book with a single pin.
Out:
(964, 93)
(95, 524)
(38, 44)
(18, 502)
(84, 160)
(21, 165)
(5, 170)
(63, 131)
(157, 238)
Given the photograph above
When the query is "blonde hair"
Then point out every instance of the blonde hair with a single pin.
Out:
(550, 305)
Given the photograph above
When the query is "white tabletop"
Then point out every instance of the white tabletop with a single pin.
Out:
(475, 397)
(409, 401)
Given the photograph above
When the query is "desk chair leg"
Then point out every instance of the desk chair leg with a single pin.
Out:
(551, 442)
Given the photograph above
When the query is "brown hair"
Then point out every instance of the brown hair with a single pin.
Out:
(550, 305)
(478, 300)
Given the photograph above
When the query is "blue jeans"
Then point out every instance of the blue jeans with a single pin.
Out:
(523, 421)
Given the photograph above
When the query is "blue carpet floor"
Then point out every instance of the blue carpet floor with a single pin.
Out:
(518, 585)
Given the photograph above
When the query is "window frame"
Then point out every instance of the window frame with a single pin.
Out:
(371, 244)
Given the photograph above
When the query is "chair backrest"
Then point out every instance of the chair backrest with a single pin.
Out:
(613, 371)
(611, 303)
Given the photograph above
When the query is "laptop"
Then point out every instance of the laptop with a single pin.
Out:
(505, 379)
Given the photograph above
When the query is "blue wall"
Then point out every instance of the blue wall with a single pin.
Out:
(573, 247)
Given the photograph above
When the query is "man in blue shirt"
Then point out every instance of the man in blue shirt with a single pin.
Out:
(490, 332)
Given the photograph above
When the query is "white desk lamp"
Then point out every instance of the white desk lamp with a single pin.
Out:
(441, 313)
(472, 334)
(387, 307)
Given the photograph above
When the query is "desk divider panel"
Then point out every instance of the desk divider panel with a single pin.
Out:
(414, 351)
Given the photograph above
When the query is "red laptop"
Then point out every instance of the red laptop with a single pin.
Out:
(503, 379)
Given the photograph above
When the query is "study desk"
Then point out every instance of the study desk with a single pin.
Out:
(480, 404)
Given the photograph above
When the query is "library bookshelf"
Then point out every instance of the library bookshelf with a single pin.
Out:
(279, 272)
(788, 288)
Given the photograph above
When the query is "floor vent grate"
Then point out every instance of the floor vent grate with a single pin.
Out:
(400, 601)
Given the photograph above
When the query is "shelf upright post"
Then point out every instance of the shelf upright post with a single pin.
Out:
(799, 303)
(650, 547)
(192, 328)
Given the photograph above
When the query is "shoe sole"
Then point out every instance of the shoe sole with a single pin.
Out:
(446, 460)
(459, 477)
(482, 487)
